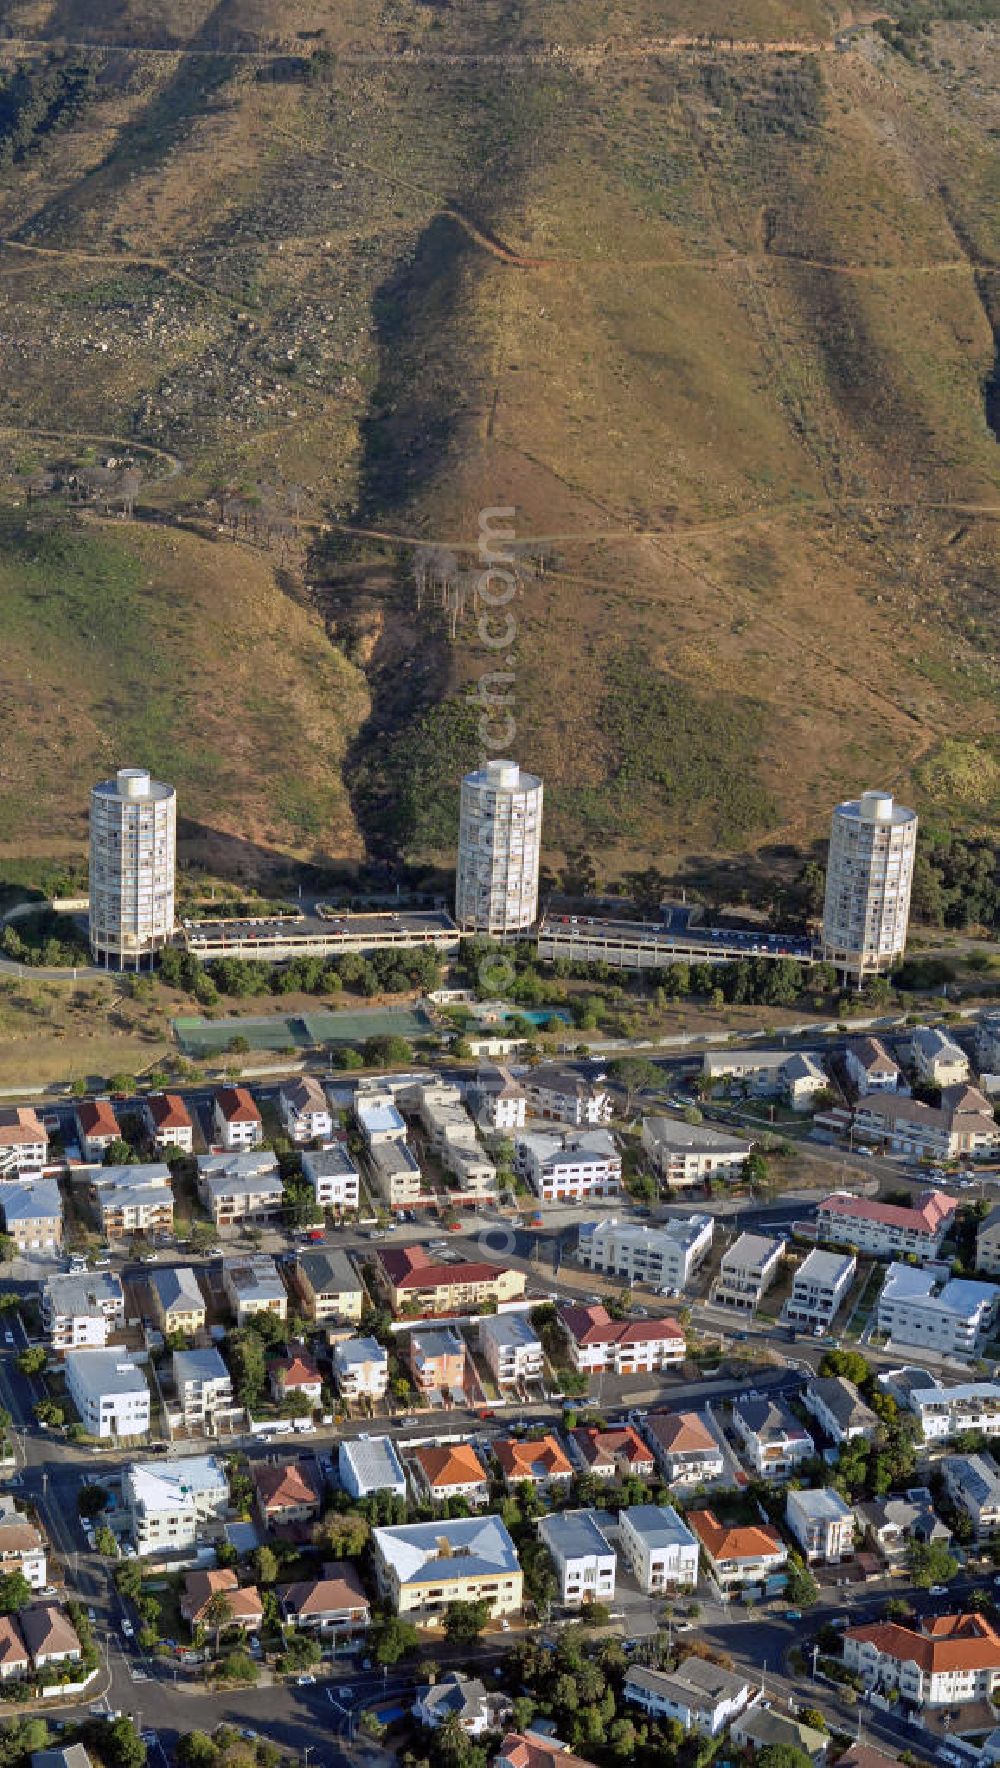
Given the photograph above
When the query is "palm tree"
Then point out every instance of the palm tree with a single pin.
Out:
(217, 1614)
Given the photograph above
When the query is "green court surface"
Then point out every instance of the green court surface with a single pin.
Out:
(200, 1037)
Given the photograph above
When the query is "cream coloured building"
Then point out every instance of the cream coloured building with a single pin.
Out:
(131, 875)
(499, 841)
(422, 1567)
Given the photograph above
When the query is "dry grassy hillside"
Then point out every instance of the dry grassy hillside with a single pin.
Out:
(719, 323)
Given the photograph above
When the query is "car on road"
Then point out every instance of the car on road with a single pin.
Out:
(92, 1615)
(48, 1590)
(793, 1614)
(305, 1681)
(346, 1694)
(8, 1338)
(938, 1590)
(127, 1629)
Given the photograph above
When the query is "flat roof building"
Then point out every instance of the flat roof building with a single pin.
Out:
(132, 857)
(869, 873)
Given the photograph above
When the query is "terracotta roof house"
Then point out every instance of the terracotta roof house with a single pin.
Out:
(532, 1750)
(334, 1603)
(49, 1635)
(539, 1462)
(236, 1118)
(24, 1141)
(285, 1494)
(452, 1471)
(410, 1277)
(13, 1652)
(685, 1448)
(246, 1608)
(169, 1122)
(626, 1347)
(612, 1454)
(949, 1661)
(737, 1556)
(97, 1127)
(886, 1229)
(295, 1374)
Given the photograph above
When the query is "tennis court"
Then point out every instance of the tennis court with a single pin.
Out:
(200, 1038)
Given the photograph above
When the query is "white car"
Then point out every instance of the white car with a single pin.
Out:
(128, 1629)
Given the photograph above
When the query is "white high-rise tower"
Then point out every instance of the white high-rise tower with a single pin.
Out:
(868, 878)
(499, 841)
(132, 852)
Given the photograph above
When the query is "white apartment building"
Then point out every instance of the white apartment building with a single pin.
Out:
(132, 857)
(499, 842)
(395, 1173)
(452, 1135)
(236, 1119)
(564, 1095)
(773, 1440)
(665, 1257)
(134, 1199)
(658, 1548)
(953, 1318)
(240, 1187)
(168, 1502)
(823, 1525)
(625, 1347)
(203, 1387)
(946, 1412)
(378, 1117)
(887, 1230)
(746, 1271)
(870, 1068)
(361, 1368)
(868, 878)
(110, 1393)
(685, 1154)
(499, 1100)
(304, 1109)
(253, 1285)
(701, 1696)
(973, 1484)
(333, 1176)
(22, 1547)
(511, 1349)
(82, 1310)
(950, 1661)
(839, 1409)
(585, 1561)
(569, 1167)
(819, 1286)
(24, 1142)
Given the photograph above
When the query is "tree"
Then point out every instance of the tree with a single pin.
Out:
(465, 1621)
(32, 1360)
(120, 1745)
(91, 1501)
(237, 1666)
(128, 1579)
(47, 1412)
(393, 1639)
(801, 1587)
(105, 1542)
(782, 1755)
(196, 1750)
(635, 1074)
(850, 1364)
(300, 1653)
(930, 1563)
(217, 1614)
(265, 1562)
(343, 1535)
(120, 1153)
(15, 1593)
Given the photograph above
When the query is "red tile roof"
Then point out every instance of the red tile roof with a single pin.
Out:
(168, 1111)
(456, 1464)
(330, 1594)
(679, 1431)
(537, 1752)
(608, 1445)
(925, 1217)
(541, 1459)
(594, 1325)
(199, 1588)
(721, 1541)
(236, 1105)
(21, 1126)
(284, 1488)
(950, 1642)
(410, 1267)
(297, 1371)
(96, 1118)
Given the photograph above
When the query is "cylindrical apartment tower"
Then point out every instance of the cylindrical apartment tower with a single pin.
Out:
(132, 850)
(499, 840)
(868, 878)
